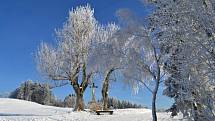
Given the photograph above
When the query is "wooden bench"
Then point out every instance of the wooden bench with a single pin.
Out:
(104, 111)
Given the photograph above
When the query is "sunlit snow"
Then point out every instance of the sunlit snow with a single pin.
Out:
(20, 110)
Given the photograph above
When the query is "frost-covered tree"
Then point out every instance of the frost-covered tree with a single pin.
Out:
(35, 92)
(69, 101)
(185, 29)
(69, 57)
(105, 57)
(142, 56)
(144, 64)
(24, 92)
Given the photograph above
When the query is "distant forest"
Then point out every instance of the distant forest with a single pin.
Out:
(42, 94)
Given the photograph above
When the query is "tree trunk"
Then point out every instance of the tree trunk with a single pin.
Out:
(105, 88)
(105, 97)
(195, 112)
(154, 95)
(79, 106)
(80, 89)
(105, 94)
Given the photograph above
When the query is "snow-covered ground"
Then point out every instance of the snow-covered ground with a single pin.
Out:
(20, 110)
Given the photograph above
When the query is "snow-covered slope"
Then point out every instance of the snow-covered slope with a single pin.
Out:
(20, 110)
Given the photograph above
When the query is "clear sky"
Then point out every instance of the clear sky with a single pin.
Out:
(25, 23)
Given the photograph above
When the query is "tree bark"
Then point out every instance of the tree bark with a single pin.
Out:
(154, 95)
(195, 111)
(80, 89)
(105, 99)
(79, 102)
(105, 88)
(79, 96)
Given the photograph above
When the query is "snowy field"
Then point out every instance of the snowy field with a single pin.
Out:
(19, 110)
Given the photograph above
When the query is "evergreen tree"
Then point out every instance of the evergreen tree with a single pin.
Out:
(34, 92)
(121, 104)
(69, 101)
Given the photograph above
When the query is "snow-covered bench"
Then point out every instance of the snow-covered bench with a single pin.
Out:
(104, 111)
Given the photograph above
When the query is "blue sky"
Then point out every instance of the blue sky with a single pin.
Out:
(25, 23)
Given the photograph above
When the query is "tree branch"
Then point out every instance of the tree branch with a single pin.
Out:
(150, 90)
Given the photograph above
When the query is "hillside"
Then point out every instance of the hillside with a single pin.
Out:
(20, 110)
